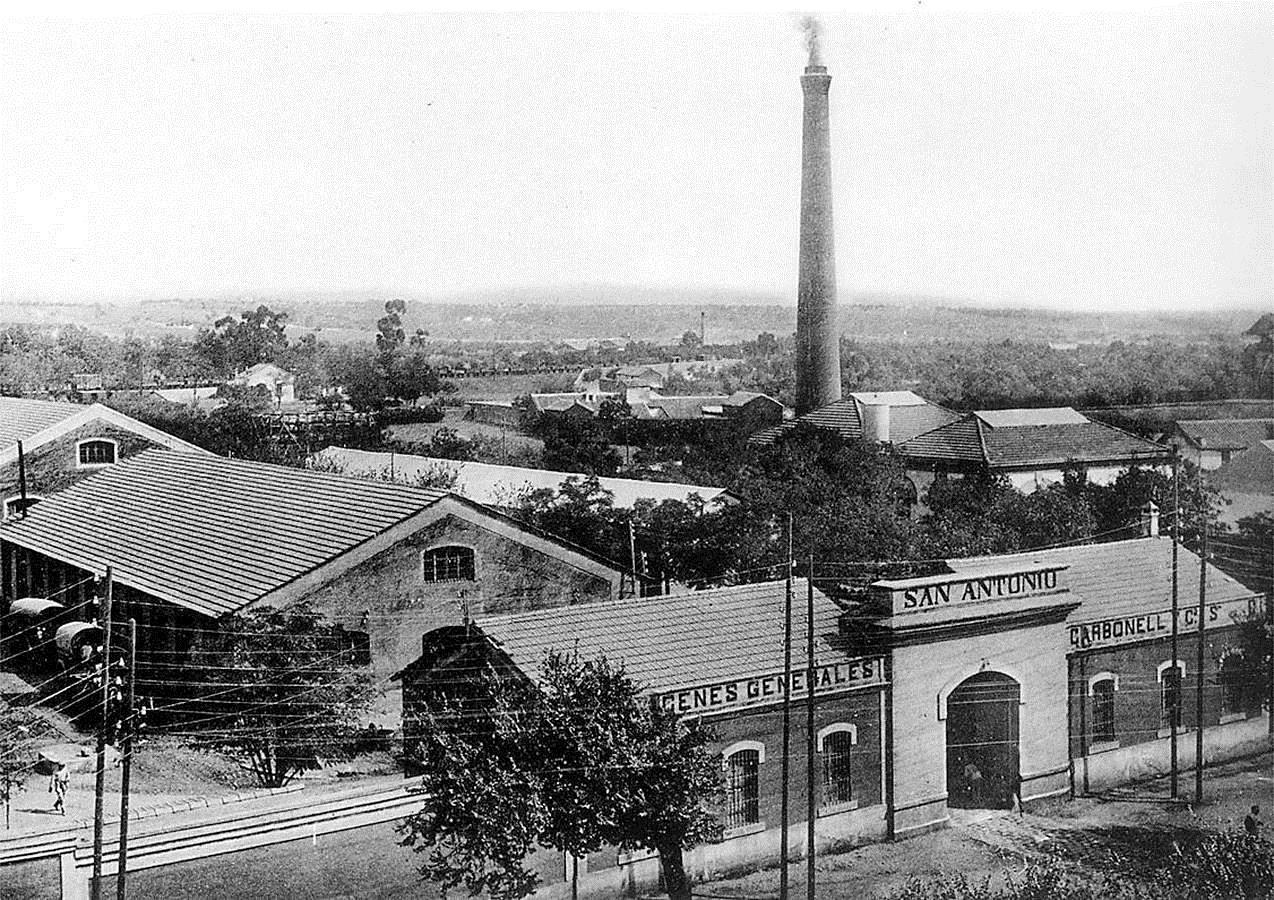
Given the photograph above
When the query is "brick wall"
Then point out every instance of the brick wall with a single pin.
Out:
(388, 598)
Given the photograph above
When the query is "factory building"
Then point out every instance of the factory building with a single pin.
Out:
(1050, 673)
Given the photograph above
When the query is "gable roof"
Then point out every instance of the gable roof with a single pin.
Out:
(1118, 578)
(1226, 434)
(1062, 436)
(1252, 471)
(674, 641)
(20, 419)
(909, 415)
(493, 485)
(36, 422)
(207, 533)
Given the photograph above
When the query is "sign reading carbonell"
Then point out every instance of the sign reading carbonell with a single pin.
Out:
(918, 594)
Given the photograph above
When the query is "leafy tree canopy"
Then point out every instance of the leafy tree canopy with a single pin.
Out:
(580, 761)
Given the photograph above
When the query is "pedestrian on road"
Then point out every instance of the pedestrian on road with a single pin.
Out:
(1252, 823)
(58, 783)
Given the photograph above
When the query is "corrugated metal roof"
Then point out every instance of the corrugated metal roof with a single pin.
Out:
(493, 485)
(675, 641)
(207, 533)
(1226, 434)
(21, 418)
(1117, 578)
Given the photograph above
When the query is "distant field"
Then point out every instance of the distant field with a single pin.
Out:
(507, 387)
(730, 318)
(516, 443)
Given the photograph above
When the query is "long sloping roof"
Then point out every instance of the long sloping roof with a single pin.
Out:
(1118, 578)
(493, 485)
(1060, 440)
(1252, 470)
(207, 533)
(21, 419)
(674, 641)
(909, 415)
(1226, 434)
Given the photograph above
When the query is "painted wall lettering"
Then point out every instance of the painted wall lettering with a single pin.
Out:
(763, 689)
(1147, 626)
(937, 594)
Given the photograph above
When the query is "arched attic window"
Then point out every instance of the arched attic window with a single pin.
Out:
(449, 563)
(95, 452)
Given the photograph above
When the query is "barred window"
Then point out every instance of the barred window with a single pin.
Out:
(356, 647)
(743, 788)
(448, 564)
(837, 784)
(96, 453)
(1104, 710)
(1170, 696)
(1232, 677)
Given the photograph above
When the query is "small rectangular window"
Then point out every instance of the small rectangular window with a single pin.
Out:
(97, 453)
(1170, 697)
(448, 564)
(743, 802)
(837, 783)
(356, 647)
(1233, 685)
(1104, 711)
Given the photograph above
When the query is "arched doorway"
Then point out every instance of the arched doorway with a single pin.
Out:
(982, 742)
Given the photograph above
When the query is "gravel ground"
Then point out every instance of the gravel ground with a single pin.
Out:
(1133, 828)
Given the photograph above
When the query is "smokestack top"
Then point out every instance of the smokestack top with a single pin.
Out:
(813, 30)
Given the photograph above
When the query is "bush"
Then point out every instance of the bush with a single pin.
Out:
(1232, 864)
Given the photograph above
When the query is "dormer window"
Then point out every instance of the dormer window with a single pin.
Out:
(95, 452)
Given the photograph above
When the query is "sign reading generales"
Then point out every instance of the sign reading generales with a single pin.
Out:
(762, 689)
(918, 595)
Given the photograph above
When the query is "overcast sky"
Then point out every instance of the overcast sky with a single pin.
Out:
(1120, 161)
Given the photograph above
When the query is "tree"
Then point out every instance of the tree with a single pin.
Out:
(691, 341)
(576, 762)
(390, 336)
(576, 444)
(232, 345)
(291, 689)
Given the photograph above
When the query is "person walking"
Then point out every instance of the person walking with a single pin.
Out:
(58, 783)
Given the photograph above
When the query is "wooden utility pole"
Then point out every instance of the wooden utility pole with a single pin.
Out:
(785, 815)
(129, 725)
(1198, 677)
(22, 478)
(811, 678)
(99, 796)
(1174, 714)
(632, 555)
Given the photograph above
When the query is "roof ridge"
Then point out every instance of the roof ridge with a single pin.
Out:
(630, 602)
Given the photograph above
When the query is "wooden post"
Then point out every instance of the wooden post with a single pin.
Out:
(785, 815)
(1198, 677)
(811, 678)
(1174, 714)
(22, 478)
(99, 796)
(130, 726)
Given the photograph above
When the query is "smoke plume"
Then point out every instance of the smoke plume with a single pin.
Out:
(812, 28)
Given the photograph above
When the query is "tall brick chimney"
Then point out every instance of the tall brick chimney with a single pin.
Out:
(817, 336)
